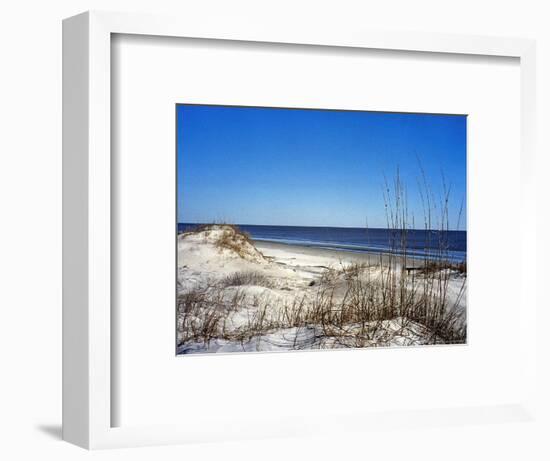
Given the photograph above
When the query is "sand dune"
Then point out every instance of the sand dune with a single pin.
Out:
(236, 295)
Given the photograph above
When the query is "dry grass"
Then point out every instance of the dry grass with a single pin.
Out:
(254, 278)
(202, 313)
(235, 240)
(232, 238)
(357, 318)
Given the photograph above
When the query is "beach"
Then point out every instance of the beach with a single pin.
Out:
(235, 294)
(307, 255)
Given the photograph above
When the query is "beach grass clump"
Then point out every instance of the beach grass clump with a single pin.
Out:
(202, 313)
(228, 237)
(234, 239)
(345, 272)
(197, 317)
(362, 313)
(241, 278)
(353, 270)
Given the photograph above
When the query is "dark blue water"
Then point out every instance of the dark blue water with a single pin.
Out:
(449, 245)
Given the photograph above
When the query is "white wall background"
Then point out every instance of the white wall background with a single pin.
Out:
(30, 226)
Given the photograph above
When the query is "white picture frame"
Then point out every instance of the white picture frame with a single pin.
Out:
(87, 359)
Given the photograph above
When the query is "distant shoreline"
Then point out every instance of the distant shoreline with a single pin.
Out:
(294, 250)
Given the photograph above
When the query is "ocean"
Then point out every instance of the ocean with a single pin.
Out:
(419, 243)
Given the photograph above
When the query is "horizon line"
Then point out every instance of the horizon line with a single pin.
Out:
(332, 227)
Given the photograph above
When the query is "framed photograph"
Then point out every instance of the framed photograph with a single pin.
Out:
(274, 232)
(311, 229)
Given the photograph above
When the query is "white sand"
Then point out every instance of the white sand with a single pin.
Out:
(291, 273)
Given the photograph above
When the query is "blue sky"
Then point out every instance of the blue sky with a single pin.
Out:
(247, 165)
